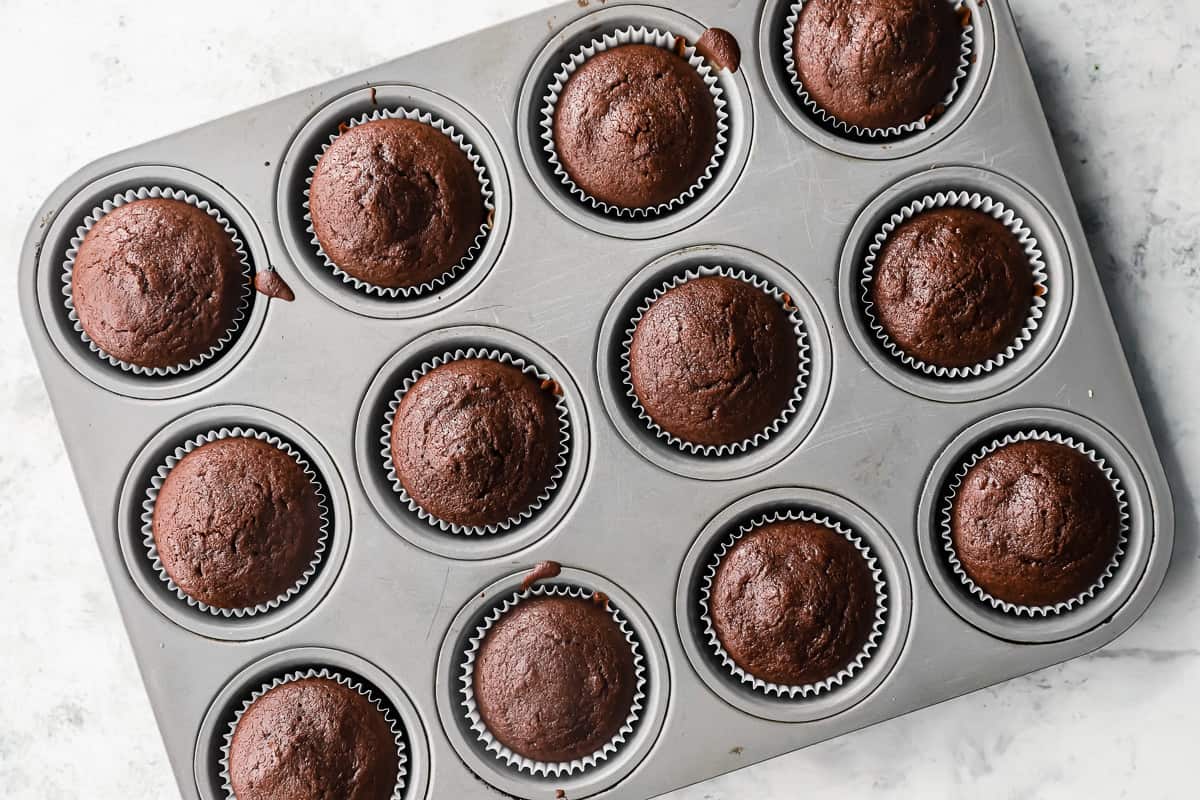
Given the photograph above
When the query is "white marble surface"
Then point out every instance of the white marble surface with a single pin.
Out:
(1121, 83)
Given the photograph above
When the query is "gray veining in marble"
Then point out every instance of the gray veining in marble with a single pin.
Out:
(1121, 85)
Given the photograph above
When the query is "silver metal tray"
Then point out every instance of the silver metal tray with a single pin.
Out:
(873, 443)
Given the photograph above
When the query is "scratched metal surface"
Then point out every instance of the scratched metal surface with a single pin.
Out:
(392, 604)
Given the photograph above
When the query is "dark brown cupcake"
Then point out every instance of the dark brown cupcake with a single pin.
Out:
(952, 287)
(395, 203)
(877, 63)
(793, 603)
(714, 360)
(475, 442)
(236, 523)
(157, 282)
(635, 126)
(555, 678)
(1035, 523)
(313, 739)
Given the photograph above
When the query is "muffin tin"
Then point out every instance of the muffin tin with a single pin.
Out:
(872, 445)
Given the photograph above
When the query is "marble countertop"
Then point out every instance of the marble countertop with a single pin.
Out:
(1119, 82)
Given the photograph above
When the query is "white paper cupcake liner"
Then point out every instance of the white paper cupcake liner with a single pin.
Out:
(846, 672)
(1018, 228)
(156, 192)
(348, 682)
(160, 476)
(515, 760)
(966, 52)
(624, 36)
(802, 371)
(485, 188)
(560, 466)
(948, 516)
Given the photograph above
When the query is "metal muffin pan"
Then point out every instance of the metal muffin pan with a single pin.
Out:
(871, 445)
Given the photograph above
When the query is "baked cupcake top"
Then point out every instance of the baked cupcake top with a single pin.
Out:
(793, 603)
(1035, 523)
(555, 678)
(475, 442)
(157, 282)
(236, 523)
(395, 203)
(877, 63)
(714, 360)
(635, 126)
(952, 287)
(313, 739)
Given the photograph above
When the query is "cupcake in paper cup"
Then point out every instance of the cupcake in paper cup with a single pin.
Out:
(1034, 523)
(476, 441)
(634, 123)
(318, 729)
(235, 522)
(157, 281)
(877, 70)
(715, 361)
(399, 203)
(793, 604)
(553, 680)
(954, 285)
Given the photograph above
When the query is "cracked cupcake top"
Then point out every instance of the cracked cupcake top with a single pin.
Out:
(555, 678)
(236, 523)
(395, 203)
(313, 739)
(635, 126)
(714, 360)
(877, 63)
(793, 603)
(1035, 523)
(475, 442)
(952, 287)
(156, 282)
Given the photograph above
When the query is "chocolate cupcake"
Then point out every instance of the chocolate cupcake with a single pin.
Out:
(314, 737)
(477, 442)
(157, 283)
(397, 203)
(715, 361)
(953, 289)
(634, 123)
(793, 605)
(1035, 523)
(876, 65)
(555, 680)
(237, 523)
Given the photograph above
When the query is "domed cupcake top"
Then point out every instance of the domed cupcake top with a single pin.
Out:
(395, 203)
(555, 678)
(877, 64)
(714, 360)
(952, 287)
(476, 442)
(313, 739)
(157, 282)
(236, 523)
(793, 602)
(1035, 523)
(635, 126)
